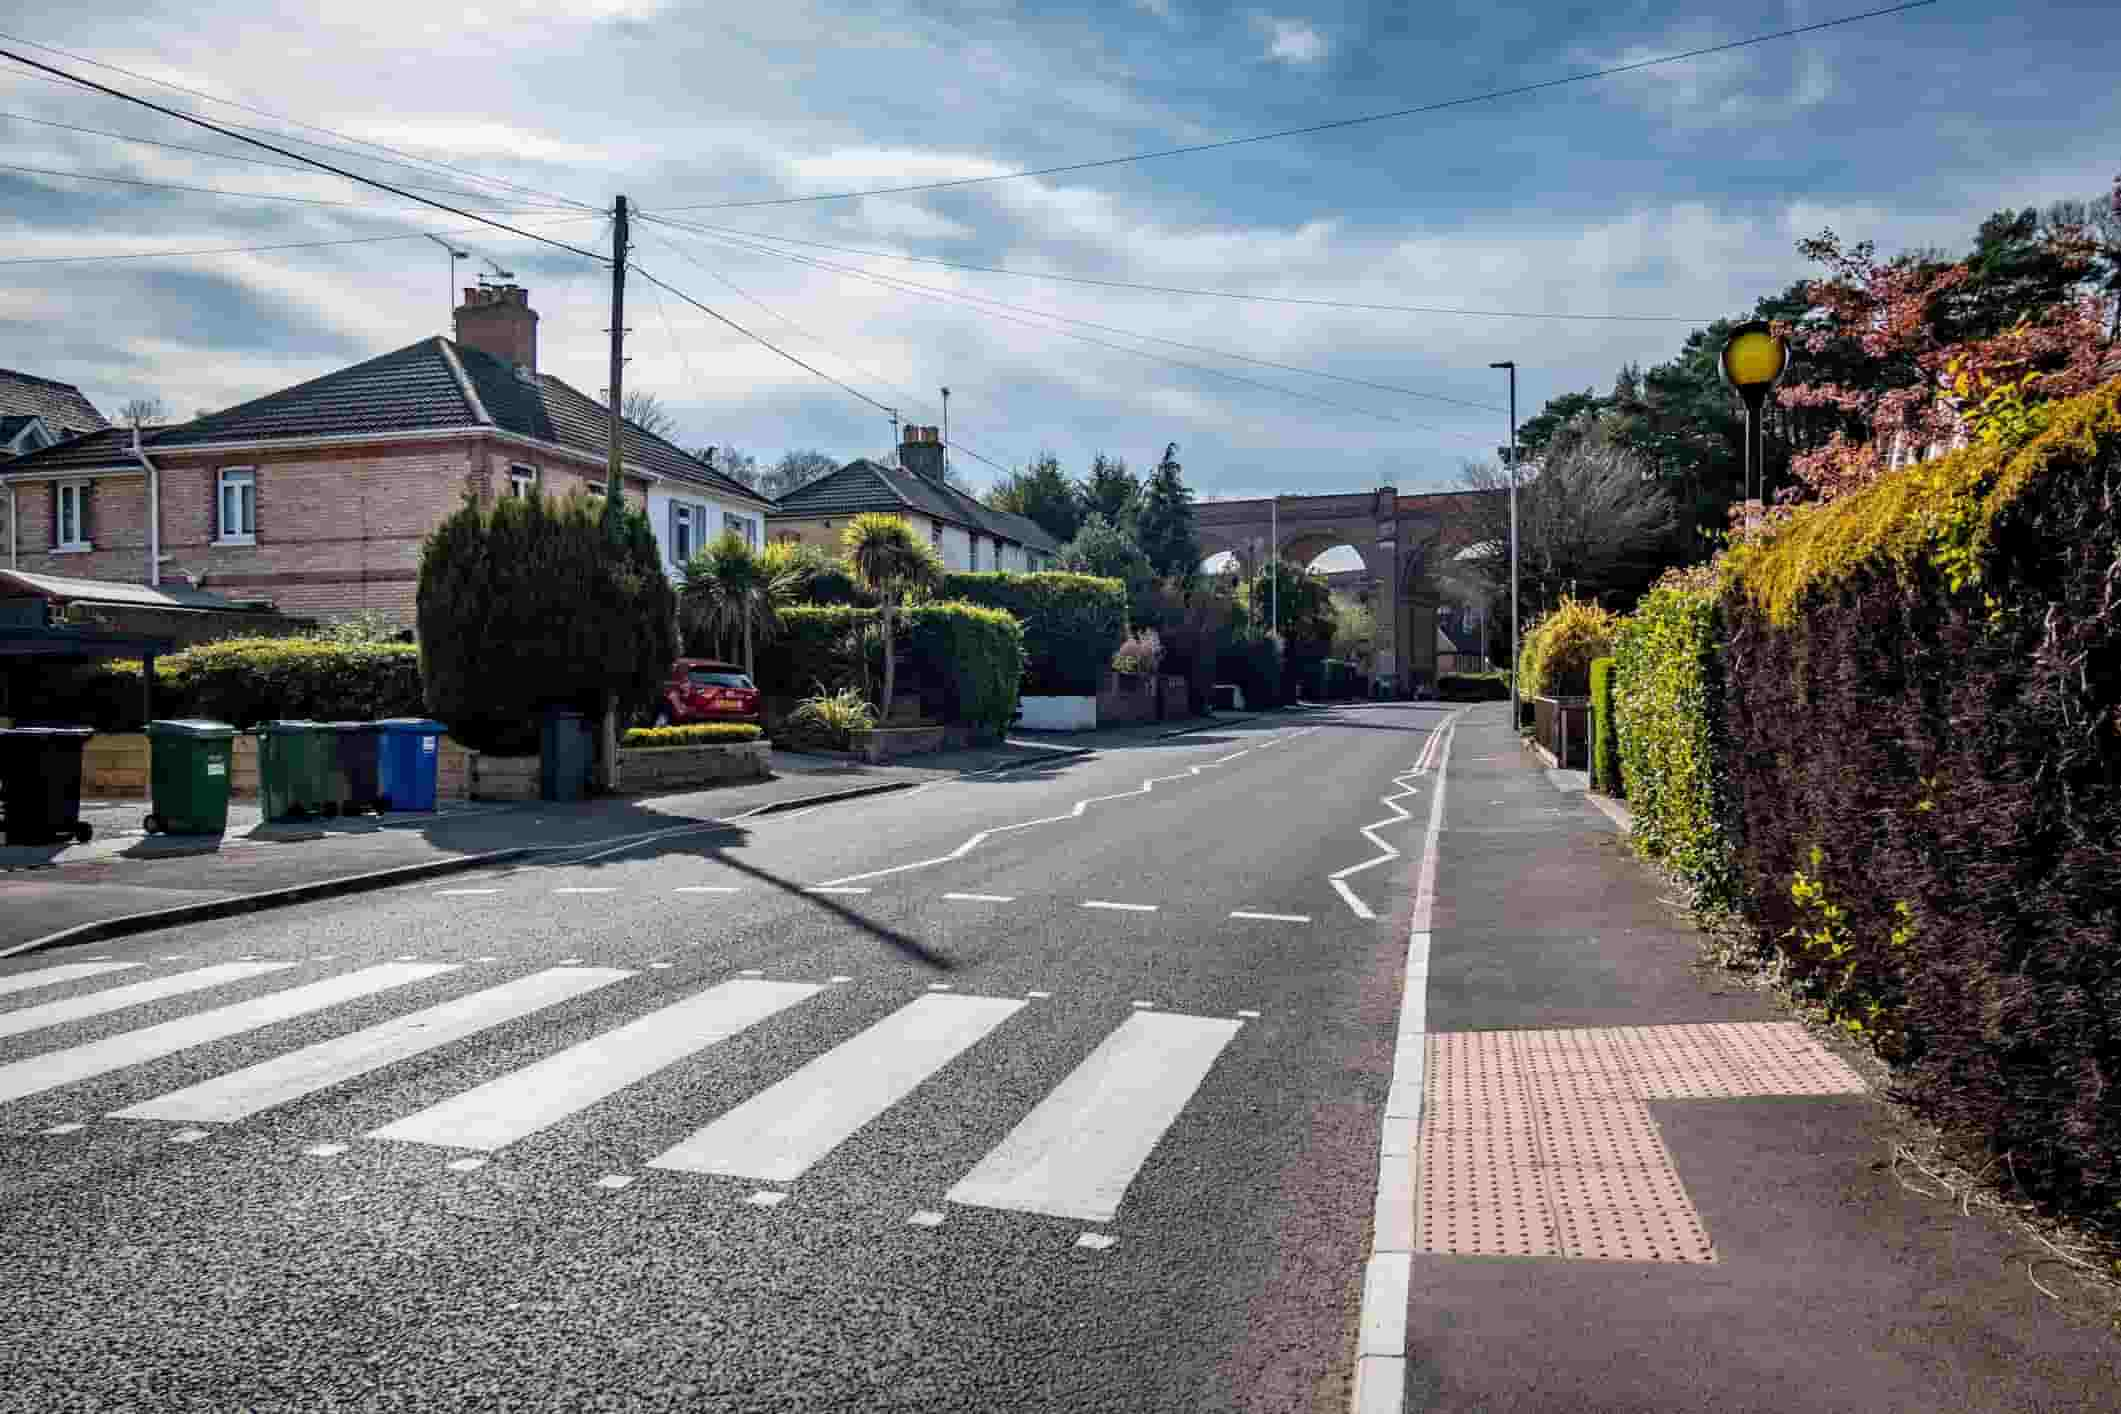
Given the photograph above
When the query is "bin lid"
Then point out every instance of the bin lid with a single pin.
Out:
(192, 727)
(287, 727)
(66, 733)
(346, 727)
(423, 725)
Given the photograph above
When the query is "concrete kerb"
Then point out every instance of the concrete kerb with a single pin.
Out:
(209, 909)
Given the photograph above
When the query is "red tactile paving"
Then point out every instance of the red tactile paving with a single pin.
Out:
(1539, 1144)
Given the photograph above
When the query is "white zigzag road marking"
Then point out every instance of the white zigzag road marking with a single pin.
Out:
(1074, 813)
(1408, 784)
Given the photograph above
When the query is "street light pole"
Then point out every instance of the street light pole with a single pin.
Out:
(1516, 711)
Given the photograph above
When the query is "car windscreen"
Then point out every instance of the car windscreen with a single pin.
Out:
(707, 677)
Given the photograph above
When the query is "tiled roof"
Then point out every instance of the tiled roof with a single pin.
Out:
(65, 412)
(68, 590)
(413, 389)
(93, 451)
(871, 486)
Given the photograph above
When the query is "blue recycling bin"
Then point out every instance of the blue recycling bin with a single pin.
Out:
(410, 748)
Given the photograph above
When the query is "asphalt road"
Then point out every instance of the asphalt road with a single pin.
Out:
(1055, 1090)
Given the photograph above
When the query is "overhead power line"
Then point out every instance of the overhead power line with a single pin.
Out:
(232, 156)
(1212, 294)
(1309, 128)
(260, 249)
(427, 162)
(223, 191)
(297, 156)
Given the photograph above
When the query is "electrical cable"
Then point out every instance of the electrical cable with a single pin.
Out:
(1309, 128)
(241, 195)
(297, 122)
(299, 157)
(1215, 294)
(259, 249)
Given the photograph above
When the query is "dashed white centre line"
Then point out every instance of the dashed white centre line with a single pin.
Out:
(464, 1165)
(925, 1218)
(1096, 1241)
(616, 1180)
(70, 1127)
(1120, 907)
(831, 889)
(1271, 917)
(766, 1199)
(706, 889)
(980, 898)
(325, 1151)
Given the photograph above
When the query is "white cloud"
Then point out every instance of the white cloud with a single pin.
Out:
(1291, 41)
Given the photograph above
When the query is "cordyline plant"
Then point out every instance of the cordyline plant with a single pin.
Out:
(896, 566)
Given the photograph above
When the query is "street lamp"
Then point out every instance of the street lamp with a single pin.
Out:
(1510, 461)
(455, 255)
(1754, 361)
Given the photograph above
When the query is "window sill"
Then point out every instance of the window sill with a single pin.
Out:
(237, 541)
(81, 549)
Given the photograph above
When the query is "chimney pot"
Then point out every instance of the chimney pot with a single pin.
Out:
(498, 320)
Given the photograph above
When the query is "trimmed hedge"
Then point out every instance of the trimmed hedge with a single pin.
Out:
(1472, 687)
(1925, 695)
(242, 681)
(818, 646)
(1254, 664)
(697, 734)
(964, 660)
(1555, 658)
(1072, 622)
(1605, 752)
(1668, 724)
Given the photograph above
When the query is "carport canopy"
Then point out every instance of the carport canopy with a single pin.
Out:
(28, 641)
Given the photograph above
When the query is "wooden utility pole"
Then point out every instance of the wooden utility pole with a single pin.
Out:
(615, 470)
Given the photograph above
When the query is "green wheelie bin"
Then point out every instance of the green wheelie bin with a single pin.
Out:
(295, 770)
(192, 760)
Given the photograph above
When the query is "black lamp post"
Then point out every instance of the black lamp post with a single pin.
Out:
(1753, 362)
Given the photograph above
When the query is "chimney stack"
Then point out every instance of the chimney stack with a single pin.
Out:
(921, 452)
(498, 320)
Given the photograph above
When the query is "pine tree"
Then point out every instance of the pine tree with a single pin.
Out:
(1112, 491)
(1164, 526)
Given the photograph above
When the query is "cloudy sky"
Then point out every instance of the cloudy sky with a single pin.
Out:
(1673, 191)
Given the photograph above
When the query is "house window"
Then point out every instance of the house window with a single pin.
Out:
(522, 480)
(742, 526)
(71, 530)
(680, 533)
(237, 520)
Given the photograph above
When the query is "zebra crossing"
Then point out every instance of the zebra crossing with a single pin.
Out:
(1074, 1155)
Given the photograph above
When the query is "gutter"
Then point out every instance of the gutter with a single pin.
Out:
(11, 525)
(154, 512)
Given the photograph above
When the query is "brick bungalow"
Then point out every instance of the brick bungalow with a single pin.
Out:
(318, 497)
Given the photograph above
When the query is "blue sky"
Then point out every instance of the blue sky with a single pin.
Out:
(1673, 191)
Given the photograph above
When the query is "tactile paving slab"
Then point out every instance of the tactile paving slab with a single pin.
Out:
(1540, 1143)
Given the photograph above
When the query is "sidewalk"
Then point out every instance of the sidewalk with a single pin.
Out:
(123, 871)
(1638, 1184)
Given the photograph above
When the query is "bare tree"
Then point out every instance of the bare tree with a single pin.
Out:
(646, 411)
(142, 412)
(798, 469)
(1589, 523)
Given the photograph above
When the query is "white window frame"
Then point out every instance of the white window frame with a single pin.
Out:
(76, 493)
(230, 478)
(681, 546)
(743, 525)
(522, 479)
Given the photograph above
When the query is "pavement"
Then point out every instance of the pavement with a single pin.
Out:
(1091, 1085)
(122, 871)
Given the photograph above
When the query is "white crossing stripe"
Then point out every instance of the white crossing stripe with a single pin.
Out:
(154, 989)
(521, 1103)
(1076, 1153)
(1271, 917)
(93, 1058)
(780, 1132)
(65, 972)
(981, 898)
(1121, 907)
(242, 1093)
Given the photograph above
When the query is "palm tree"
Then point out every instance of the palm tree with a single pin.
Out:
(725, 592)
(894, 564)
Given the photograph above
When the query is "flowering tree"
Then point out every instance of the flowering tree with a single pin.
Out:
(1949, 351)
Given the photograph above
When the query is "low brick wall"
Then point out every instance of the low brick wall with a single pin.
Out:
(116, 766)
(453, 770)
(1126, 697)
(651, 768)
(504, 777)
(885, 743)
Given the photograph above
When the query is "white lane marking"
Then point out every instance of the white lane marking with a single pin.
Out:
(1253, 1015)
(93, 1058)
(243, 1093)
(567, 962)
(1096, 1241)
(189, 1136)
(465, 1165)
(1362, 910)
(1040, 995)
(926, 1217)
(941, 986)
(832, 889)
(662, 966)
(1075, 1154)
(488, 958)
(505, 1109)
(579, 890)
(840, 977)
(706, 889)
(764, 1199)
(1139, 1005)
(65, 972)
(616, 1180)
(1381, 1366)
(1075, 812)
(463, 893)
(325, 1151)
(155, 989)
(780, 1133)
(70, 1127)
(1120, 907)
(753, 972)
(1271, 917)
(980, 898)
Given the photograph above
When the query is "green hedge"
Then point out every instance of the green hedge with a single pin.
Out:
(1072, 622)
(1605, 751)
(242, 681)
(964, 660)
(1473, 687)
(1254, 664)
(818, 645)
(697, 734)
(1668, 723)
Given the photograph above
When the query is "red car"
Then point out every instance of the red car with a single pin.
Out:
(707, 690)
